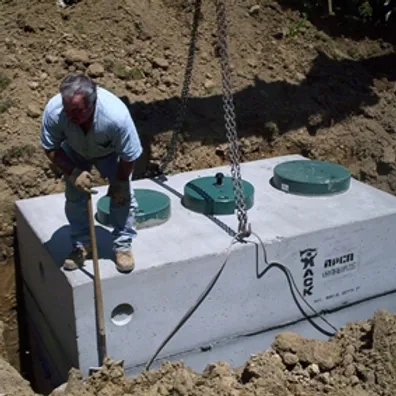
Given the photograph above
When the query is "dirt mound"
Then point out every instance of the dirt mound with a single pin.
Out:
(11, 382)
(358, 361)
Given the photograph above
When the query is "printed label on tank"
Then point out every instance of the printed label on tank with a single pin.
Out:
(339, 266)
(324, 274)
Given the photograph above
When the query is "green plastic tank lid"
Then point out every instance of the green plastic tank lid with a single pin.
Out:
(214, 195)
(311, 177)
(154, 208)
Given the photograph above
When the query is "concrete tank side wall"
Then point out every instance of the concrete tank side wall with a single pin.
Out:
(237, 351)
(47, 284)
(239, 303)
(50, 357)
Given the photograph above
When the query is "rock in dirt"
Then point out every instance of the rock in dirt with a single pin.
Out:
(33, 111)
(254, 10)
(160, 62)
(95, 70)
(266, 371)
(33, 85)
(325, 354)
(136, 87)
(313, 369)
(76, 56)
(209, 84)
(51, 59)
(388, 156)
(290, 359)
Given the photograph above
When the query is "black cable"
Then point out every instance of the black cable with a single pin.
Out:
(282, 267)
(291, 282)
(192, 309)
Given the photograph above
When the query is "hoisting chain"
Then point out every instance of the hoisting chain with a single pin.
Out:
(228, 106)
(230, 120)
(185, 89)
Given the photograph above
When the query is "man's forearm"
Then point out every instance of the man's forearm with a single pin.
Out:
(61, 160)
(124, 170)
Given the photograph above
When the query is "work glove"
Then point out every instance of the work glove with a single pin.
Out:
(82, 180)
(119, 192)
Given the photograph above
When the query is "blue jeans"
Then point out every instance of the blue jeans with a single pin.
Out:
(122, 217)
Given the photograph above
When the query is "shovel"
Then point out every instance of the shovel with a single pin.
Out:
(101, 334)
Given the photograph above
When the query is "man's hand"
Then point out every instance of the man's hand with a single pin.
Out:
(82, 180)
(119, 192)
(60, 160)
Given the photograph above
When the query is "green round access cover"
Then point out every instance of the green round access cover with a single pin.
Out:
(311, 177)
(154, 208)
(214, 195)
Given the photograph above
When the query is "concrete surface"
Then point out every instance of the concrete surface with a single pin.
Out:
(236, 351)
(312, 236)
(50, 371)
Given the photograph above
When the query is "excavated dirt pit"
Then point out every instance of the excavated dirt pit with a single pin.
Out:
(324, 88)
(358, 361)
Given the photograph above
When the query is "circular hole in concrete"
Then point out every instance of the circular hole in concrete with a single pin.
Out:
(122, 314)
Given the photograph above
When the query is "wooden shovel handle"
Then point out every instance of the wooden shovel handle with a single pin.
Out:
(97, 286)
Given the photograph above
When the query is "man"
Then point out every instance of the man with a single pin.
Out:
(83, 126)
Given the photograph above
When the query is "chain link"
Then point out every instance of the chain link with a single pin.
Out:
(185, 89)
(228, 105)
(230, 119)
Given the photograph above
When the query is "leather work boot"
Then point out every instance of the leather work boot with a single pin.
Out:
(125, 261)
(76, 258)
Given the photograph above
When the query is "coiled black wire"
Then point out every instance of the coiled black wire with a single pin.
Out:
(269, 265)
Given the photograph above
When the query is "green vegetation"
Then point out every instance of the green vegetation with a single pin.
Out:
(125, 73)
(5, 103)
(4, 82)
(375, 12)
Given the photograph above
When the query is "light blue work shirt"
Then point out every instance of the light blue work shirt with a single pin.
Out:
(112, 130)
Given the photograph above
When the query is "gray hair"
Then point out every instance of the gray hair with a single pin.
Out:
(78, 84)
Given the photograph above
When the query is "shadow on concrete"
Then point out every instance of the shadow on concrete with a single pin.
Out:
(60, 245)
(330, 92)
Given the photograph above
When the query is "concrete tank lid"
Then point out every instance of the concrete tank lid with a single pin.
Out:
(154, 208)
(214, 195)
(313, 177)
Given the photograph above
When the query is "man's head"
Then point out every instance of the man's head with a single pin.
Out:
(79, 97)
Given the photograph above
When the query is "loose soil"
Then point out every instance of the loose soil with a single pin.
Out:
(322, 88)
(358, 361)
